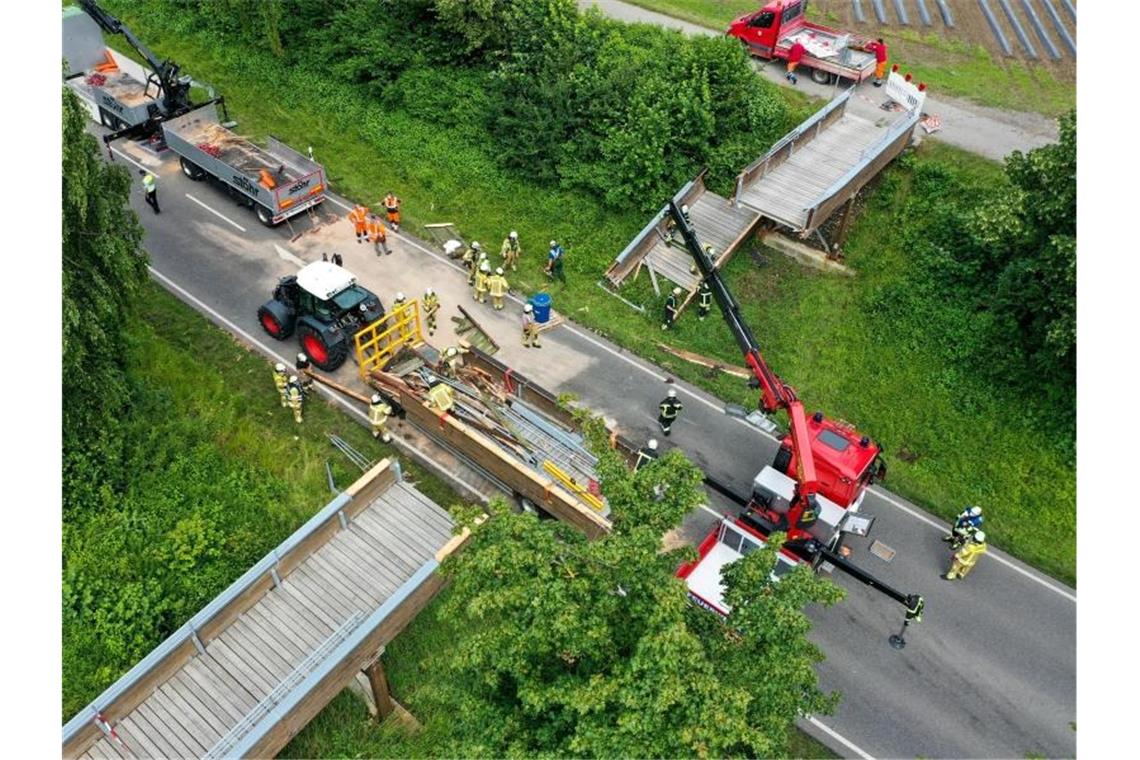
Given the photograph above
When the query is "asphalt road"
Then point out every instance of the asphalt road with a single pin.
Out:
(989, 673)
(989, 132)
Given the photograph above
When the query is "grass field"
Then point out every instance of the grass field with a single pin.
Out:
(950, 62)
(951, 439)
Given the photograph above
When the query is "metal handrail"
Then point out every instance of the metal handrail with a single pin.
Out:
(224, 745)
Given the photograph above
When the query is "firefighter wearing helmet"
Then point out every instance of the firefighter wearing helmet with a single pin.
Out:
(672, 307)
(498, 286)
(281, 381)
(431, 309)
(967, 556)
(647, 454)
(968, 522)
(511, 251)
(529, 328)
(668, 410)
(378, 413)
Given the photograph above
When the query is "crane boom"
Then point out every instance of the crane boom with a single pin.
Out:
(775, 394)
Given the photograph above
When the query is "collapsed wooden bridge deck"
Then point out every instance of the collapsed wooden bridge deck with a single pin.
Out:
(247, 672)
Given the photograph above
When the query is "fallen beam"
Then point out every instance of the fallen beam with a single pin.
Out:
(705, 361)
(338, 387)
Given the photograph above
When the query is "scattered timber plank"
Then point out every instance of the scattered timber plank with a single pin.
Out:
(555, 320)
(704, 361)
(475, 324)
(337, 386)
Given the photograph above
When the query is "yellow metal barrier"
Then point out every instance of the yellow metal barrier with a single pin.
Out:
(573, 486)
(381, 340)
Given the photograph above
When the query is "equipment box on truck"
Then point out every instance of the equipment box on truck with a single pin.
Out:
(771, 31)
(276, 181)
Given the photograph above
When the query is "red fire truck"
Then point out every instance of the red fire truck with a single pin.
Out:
(813, 489)
(770, 32)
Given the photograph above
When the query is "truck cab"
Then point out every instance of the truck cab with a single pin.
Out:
(762, 30)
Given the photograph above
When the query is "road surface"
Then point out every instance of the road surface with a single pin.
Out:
(990, 132)
(991, 671)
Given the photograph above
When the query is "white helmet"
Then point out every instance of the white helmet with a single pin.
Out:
(484, 267)
(498, 270)
(528, 308)
(553, 243)
(672, 393)
(684, 208)
(399, 297)
(653, 444)
(377, 398)
(280, 367)
(429, 292)
(451, 351)
(975, 511)
(301, 358)
(475, 245)
(292, 378)
(676, 291)
(514, 235)
(979, 536)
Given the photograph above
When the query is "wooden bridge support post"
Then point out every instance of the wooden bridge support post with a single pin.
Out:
(381, 696)
(844, 222)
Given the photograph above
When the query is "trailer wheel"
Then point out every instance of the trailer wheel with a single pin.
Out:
(191, 169)
(264, 215)
(323, 356)
(821, 77)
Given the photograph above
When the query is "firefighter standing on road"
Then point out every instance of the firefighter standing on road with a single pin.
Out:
(431, 309)
(150, 187)
(281, 380)
(377, 234)
(471, 258)
(302, 366)
(392, 206)
(498, 286)
(670, 407)
(359, 218)
(378, 413)
(296, 398)
(511, 251)
(968, 522)
(672, 304)
(529, 328)
(647, 454)
(481, 278)
(966, 557)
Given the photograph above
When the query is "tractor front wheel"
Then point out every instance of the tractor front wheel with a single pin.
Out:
(276, 320)
(323, 356)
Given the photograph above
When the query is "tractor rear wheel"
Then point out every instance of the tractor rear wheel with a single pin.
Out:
(275, 319)
(322, 355)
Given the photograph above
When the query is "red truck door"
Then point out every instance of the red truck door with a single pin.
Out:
(760, 32)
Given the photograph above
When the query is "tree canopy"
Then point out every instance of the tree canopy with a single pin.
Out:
(103, 269)
(582, 648)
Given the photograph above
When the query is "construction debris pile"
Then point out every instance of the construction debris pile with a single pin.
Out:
(486, 406)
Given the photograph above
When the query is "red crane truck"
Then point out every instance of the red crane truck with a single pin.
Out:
(813, 489)
(770, 32)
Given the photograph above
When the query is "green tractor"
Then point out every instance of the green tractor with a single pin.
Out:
(325, 307)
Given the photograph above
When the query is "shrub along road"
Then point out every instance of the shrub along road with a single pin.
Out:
(990, 132)
(1001, 645)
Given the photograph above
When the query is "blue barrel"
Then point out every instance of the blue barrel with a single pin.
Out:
(541, 304)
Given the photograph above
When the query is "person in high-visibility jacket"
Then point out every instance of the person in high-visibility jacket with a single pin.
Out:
(669, 408)
(281, 380)
(968, 522)
(377, 234)
(481, 278)
(359, 218)
(879, 48)
(150, 187)
(431, 309)
(296, 398)
(440, 395)
(647, 454)
(511, 251)
(704, 296)
(471, 258)
(378, 413)
(529, 327)
(303, 365)
(392, 206)
(672, 306)
(498, 286)
(452, 361)
(966, 557)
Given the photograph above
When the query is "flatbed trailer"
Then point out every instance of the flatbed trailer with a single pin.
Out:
(276, 181)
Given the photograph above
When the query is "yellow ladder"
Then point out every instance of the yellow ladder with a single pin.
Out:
(377, 343)
(573, 486)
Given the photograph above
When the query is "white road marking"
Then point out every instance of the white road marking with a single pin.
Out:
(711, 511)
(839, 738)
(218, 214)
(233, 328)
(941, 527)
(128, 159)
(289, 257)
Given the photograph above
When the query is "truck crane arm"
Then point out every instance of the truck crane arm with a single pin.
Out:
(775, 394)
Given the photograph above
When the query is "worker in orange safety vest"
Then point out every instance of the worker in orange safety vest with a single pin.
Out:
(359, 218)
(377, 234)
(392, 206)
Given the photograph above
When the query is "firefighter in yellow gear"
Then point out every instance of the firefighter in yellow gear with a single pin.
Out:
(303, 365)
(431, 309)
(439, 395)
(481, 278)
(378, 413)
(296, 397)
(471, 261)
(966, 557)
(498, 286)
(399, 302)
(452, 360)
(281, 380)
(529, 328)
(511, 251)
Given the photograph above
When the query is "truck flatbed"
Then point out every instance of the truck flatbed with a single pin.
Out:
(239, 152)
(125, 88)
